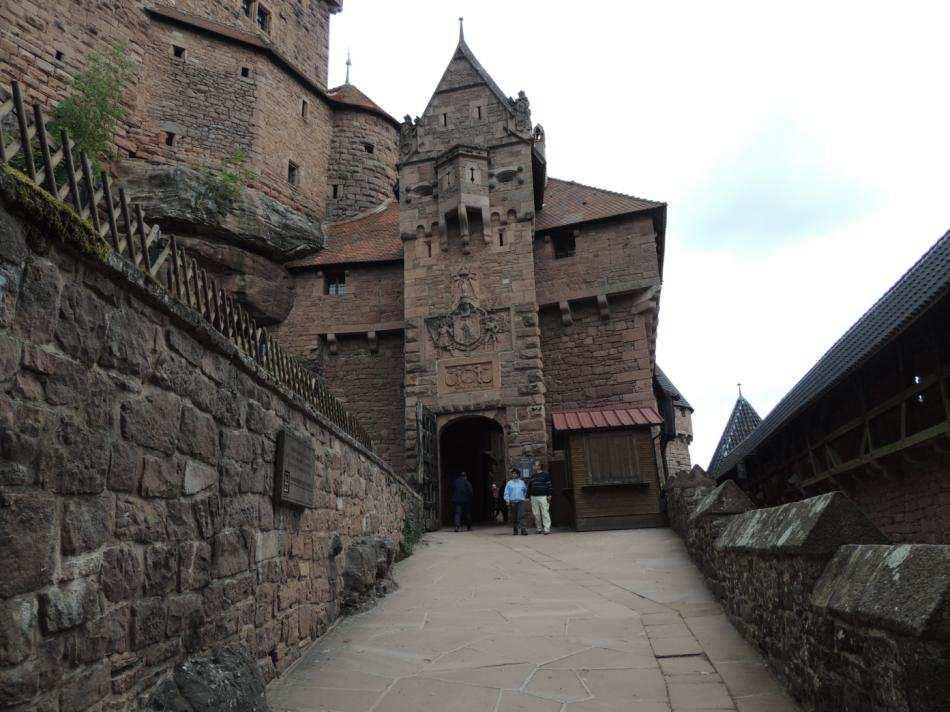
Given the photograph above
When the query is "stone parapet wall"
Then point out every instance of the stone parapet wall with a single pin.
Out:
(138, 524)
(846, 620)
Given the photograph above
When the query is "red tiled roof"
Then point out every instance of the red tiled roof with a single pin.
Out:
(606, 418)
(567, 203)
(368, 238)
(349, 95)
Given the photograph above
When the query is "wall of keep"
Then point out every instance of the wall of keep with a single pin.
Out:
(845, 620)
(594, 362)
(363, 155)
(611, 255)
(370, 384)
(202, 97)
(137, 519)
(373, 295)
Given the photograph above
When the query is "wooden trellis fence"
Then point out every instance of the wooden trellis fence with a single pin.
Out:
(143, 245)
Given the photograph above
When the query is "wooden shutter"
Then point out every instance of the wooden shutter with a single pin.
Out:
(612, 458)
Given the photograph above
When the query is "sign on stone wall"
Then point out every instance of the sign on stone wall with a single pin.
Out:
(462, 375)
(295, 473)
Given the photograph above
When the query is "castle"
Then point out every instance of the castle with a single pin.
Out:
(473, 312)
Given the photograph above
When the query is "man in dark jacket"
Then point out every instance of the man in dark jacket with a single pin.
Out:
(540, 488)
(462, 499)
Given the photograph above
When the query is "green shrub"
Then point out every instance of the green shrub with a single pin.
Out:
(411, 533)
(92, 112)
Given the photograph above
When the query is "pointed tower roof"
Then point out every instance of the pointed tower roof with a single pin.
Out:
(741, 423)
(463, 50)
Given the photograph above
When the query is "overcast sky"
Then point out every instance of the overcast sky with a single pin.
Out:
(803, 149)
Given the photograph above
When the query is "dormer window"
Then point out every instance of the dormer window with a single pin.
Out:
(263, 18)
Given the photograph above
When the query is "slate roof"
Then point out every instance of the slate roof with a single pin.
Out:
(916, 291)
(605, 419)
(664, 382)
(741, 423)
(349, 95)
(567, 203)
(486, 77)
(371, 237)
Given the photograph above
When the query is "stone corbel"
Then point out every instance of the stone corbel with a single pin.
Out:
(566, 317)
(373, 342)
(603, 307)
(331, 342)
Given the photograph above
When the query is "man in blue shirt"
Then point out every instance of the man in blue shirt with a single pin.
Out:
(515, 492)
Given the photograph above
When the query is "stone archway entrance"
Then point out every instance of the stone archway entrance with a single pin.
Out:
(475, 445)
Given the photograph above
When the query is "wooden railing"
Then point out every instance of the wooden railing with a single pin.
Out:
(145, 247)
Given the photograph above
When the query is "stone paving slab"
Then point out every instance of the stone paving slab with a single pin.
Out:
(486, 622)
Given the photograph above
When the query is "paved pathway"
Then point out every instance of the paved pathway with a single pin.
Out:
(489, 622)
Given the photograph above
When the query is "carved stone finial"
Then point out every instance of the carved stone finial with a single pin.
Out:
(522, 113)
(349, 63)
(407, 135)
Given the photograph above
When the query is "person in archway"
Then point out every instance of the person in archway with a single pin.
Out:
(541, 488)
(462, 499)
(515, 492)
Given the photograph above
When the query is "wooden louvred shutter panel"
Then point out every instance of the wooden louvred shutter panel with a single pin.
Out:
(612, 457)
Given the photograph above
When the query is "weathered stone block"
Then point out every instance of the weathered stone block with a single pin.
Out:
(68, 606)
(87, 523)
(904, 588)
(37, 310)
(27, 534)
(815, 526)
(198, 435)
(231, 554)
(84, 688)
(194, 567)
(130, 343)
(76, 459)
(161, 477)
(727, 498)
(148, 622)
(122, 573)
(17, 627)
(139, 520)
(161, 569)
(152, 421)
(199, 477)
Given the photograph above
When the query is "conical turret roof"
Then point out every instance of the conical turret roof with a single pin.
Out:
(741, 423)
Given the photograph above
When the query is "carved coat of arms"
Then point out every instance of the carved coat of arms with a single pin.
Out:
(468, 326)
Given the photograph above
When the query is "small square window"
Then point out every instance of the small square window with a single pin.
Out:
(336, 190)
(369, 148)
(478, 113)
(178, 52)
(501, 238)
(334, 283)
(564, 246)
(445, 119)
(245, 72)
(169, 139)
(60, 56)
(263, 18)
(304, 108)
(247, 6)
(293, 173)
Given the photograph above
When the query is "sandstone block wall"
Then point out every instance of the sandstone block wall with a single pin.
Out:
(847, 621)
(137, 519)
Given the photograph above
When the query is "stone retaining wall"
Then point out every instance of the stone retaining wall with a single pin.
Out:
(137, 446)
(845, 619)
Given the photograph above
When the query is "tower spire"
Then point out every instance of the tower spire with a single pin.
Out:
(461, 30)
(740, 389)
(349, 63)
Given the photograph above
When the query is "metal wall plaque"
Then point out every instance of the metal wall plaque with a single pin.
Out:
(295, 474)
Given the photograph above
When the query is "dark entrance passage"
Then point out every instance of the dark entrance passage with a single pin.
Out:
(476, 446)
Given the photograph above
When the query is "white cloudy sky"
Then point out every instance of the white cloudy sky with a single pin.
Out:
(803, 149)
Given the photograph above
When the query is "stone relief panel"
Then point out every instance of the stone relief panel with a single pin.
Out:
(468, 327)
(465, 375)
